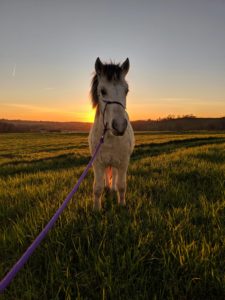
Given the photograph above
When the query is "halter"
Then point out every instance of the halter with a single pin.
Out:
(106, 103)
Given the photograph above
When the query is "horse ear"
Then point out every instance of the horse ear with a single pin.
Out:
(125, 67)
(98, 66)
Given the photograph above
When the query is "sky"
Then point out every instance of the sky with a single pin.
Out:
(48, 49)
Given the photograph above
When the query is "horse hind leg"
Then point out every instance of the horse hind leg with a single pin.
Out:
(108, 178)
(114, 179)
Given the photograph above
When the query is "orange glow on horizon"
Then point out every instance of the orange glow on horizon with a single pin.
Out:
(85, 113)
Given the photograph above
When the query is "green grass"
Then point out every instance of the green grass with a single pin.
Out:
(168, 243)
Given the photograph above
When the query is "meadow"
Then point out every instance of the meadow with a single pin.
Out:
(168, 243)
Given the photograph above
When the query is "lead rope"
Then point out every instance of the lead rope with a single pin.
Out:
(23, 259)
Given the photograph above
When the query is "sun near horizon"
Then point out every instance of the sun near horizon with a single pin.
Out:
(88, 115)
(66, 111)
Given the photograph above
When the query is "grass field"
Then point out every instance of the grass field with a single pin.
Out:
(168, 243)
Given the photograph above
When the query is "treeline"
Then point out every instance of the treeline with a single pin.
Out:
(180, 124)
(167, 124)
(41, 126)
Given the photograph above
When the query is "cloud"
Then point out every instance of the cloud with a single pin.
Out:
(14, 71)
(43, 109)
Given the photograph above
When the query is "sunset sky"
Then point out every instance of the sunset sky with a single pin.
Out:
(48, 50)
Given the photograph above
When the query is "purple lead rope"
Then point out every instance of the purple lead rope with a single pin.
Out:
(23, 259)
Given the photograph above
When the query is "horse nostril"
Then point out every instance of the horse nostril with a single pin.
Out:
(114, 124)
(119, 126)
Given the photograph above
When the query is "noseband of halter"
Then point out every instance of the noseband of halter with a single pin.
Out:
(106, 103)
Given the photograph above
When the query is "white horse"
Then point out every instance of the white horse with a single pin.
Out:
(108, 94)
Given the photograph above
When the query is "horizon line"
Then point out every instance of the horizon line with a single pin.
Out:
(173, 117)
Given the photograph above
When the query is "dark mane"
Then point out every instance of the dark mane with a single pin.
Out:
(111, 72)
(94, 92)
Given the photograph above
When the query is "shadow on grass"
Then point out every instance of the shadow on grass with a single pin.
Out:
(63, 148)
(213, 156)
(64, 161)
(153, 149)
(10, 214)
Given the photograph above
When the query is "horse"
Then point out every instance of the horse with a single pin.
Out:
(108, 95)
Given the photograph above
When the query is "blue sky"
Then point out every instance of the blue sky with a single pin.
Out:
(48, 49)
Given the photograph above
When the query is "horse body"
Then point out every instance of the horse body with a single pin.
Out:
(110, 166)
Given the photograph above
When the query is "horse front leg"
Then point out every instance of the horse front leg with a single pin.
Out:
(98, 185)
(121, 185)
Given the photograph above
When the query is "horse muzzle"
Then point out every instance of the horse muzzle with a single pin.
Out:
(119, 127)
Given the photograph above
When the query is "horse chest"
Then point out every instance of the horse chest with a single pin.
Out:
(114, 153)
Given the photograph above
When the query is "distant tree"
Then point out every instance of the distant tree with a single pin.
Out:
(189, 116)
(170, 117)
(7, 127)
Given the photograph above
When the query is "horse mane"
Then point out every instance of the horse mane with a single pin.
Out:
(112, 72)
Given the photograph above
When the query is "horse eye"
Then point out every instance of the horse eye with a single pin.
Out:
(103, 92)
(126, 91)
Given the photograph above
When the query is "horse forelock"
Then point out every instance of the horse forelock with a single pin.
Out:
(111, 72)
